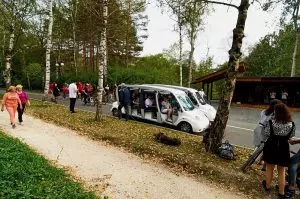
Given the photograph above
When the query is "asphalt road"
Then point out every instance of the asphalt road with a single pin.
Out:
(239, 128)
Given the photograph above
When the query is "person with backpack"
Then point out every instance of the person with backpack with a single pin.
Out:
(276, 150)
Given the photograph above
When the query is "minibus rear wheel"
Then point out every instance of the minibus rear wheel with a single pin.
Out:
(185, 127)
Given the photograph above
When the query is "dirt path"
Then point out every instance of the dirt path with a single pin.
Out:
(117, 174)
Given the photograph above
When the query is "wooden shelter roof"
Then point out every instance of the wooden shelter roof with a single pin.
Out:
(220, 74)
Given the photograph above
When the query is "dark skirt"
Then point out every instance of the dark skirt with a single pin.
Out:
(277, 151)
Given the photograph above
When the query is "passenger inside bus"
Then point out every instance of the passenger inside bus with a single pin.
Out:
(136, 102)
(166, 108)
(150, 105)
(149, 102)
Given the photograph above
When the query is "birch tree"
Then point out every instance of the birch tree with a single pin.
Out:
(103, 61)
(8, 56)
(74, 6)
(14, 13)
(193, 14)
(48, 49)
(295, 17)
(177, 8)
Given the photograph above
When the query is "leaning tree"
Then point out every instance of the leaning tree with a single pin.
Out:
(218, 127)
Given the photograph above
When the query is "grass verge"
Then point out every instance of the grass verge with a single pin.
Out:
(138, 138)
(25, 174)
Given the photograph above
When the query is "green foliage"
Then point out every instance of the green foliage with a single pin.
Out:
(149, 69)
(272, 56)
(34, 76)
(25, 174)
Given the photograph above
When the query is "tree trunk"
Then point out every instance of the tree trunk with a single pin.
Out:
(8, 56)
(102, 62)
(293, 71)
(28, 81)
(128, 26)
(180, 43)
(192, 43)
(84, 51)
(219, 125)
(74, 36)
(48, 50)
(92, 53)
(57, 64)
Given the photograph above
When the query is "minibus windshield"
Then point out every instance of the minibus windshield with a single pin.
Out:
(186, 103)
(200, 98)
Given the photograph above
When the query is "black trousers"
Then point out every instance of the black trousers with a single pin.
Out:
(120, 110)
(20, 112)
(72, 104)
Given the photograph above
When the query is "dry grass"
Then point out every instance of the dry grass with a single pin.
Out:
(138, 138)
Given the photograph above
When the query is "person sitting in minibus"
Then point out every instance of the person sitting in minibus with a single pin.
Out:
(150, 105)
(166, 108)
(149, 102)
(136, 102)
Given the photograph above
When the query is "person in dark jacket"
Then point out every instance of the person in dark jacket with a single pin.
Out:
(56, 92)
(124, 100)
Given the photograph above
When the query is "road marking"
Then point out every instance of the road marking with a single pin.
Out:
(236, 127)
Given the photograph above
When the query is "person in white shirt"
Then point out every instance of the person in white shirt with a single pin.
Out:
(149, 102)
(72, 95)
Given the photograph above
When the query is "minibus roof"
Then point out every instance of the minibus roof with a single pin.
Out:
(175, 87)
(157, 87)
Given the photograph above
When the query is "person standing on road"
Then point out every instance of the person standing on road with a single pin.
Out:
(56, 92)
(124, 100)
(64, 90)
(24, 100)
(276, 151)
(72, 95)
(10, 101)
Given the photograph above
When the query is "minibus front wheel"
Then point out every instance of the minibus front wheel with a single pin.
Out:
(115, 112)
(185, 127)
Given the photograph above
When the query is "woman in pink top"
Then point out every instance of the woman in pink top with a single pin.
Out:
(24, 100)
(10, 101)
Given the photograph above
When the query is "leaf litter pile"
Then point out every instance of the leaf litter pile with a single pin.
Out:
(189, 158)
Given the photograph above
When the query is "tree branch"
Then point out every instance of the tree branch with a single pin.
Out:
(220, 3)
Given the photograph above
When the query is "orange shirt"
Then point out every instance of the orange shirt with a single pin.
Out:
(11, 99)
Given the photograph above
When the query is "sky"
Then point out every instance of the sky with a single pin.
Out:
(215, 40)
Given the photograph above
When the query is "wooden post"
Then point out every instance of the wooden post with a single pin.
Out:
(207, 91)
(211, 91)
